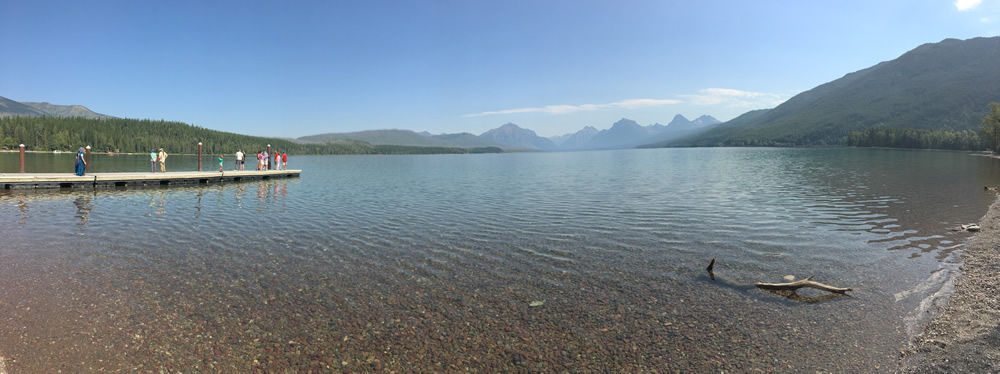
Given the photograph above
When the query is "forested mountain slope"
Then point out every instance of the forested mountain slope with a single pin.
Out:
(946, 85)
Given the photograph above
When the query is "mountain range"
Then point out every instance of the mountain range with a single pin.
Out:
(622, 134)
(945, 85)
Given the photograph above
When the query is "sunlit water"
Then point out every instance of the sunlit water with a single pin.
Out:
(588, 261)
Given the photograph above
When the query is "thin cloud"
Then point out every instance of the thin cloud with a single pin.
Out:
(735, 98)
(967, 4)
(564, 109)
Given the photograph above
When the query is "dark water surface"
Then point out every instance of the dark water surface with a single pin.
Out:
(587, 261)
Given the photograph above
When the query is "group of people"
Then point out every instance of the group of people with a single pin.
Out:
(157, 157)
(278, 160)
(265, 161)
(81, 161)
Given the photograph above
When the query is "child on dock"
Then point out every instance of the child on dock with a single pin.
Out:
(220, 163)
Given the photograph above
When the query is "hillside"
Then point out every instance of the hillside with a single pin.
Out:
(53, 110)
(946, 85)
(466, 140)
(395, 137)
(11, 108)
(404, 138)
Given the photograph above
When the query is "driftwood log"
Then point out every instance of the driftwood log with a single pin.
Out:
(808, 282)
(789, 289)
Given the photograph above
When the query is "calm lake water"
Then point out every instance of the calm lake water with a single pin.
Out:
(585, 261)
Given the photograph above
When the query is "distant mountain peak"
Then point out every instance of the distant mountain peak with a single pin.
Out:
(705, 120)
(516, 136)
(679, 121)
(625, 122)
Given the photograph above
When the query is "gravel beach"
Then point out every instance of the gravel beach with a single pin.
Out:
(965, 337)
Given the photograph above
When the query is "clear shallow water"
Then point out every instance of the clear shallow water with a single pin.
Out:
(433, 263)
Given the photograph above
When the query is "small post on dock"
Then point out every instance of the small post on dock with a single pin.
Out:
(269, 155)
(88, 160)
(199, 156)
(22, 157)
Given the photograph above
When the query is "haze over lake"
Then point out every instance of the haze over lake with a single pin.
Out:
(584, 261)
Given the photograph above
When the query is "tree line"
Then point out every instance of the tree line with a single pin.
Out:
(140, 136)
(991, 127)
(965, 140)
(988, 136)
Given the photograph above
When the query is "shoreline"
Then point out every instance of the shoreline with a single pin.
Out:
(965, 336)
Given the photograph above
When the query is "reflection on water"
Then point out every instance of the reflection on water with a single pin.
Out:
(588, 261)
(83, 207)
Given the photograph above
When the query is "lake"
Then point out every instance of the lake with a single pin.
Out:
(582, 261)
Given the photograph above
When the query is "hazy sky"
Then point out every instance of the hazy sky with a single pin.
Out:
(295, 68)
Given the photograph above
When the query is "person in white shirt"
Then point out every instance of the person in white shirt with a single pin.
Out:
(239, 159)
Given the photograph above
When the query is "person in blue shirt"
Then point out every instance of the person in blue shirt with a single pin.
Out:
(81, 162)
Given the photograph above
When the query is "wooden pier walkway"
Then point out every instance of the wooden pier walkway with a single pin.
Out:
(12, 181)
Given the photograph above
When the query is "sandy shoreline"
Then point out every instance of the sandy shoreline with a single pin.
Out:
(965, 337)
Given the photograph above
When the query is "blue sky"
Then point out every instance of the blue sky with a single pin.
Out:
(296, 68)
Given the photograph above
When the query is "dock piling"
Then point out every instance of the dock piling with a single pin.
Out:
(22, 157)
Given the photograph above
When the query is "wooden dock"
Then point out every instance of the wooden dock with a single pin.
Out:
(14, 181)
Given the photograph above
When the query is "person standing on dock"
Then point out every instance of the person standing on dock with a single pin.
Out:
(163, 161)
(152, 160)
(239, 160)
(284, 160)
(220, 163)
(81, 162)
